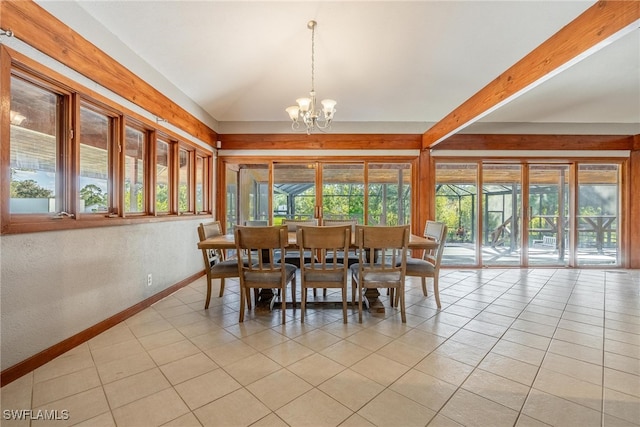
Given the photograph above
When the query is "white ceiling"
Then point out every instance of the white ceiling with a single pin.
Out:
(394, 65)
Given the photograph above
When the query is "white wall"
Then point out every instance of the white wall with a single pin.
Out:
(56, 284)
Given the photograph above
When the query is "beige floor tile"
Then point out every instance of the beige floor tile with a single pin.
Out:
(81, 407)
(622, 348)
(487, 328)
(317, 339)
(351, 389)
(435, 327)
(392, 409)
(239, 408)
(161, 339)
(569, 388)
(114, 335)
(287, 353)
(575, 368)
(197, 328)
(391, 328)
(380, 369)
(345, 352)
(265, 339)
(526, 421)
(472, 410)
(121, 350)
(102, 420)
(172, 352)
(444, 368)
(154, 410)
(497, 389)
(622, 382)
(326, 411)
(206, 388)
(576, 351)
(187, 368)
(512, 369)
(618, 362)
(534, 328)
(143, 329)
(252, 368)
(186, 420)
(441, 421)
(134, 387)
(212, 338)
(626, 337)
(356, 420)
(342, 330)
(122, 368)
(271, 420)
(579, 338)
(66, 385)
(316, 369)
(527, 339)
(425, 389)
(246, 328)
(63, 365)
(230, 352)
(421, 340)
(610, 420)
(370, 340)
(621, 405)
(461, 352)
(279, 388)
(15, 396)
(519, 352)
(556, 411)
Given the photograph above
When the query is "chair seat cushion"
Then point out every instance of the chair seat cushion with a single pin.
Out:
(419, 266)
(373, 277)
(270, 277)
(318, 275)
(229, 266)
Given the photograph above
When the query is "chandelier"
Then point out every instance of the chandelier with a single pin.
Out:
(306, 111)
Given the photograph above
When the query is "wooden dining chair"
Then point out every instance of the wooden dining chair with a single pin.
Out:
(428, 265)
(351, 256)
(260, 268)
(326, 269)
(215, 264)
(293, 256)
(382, 261)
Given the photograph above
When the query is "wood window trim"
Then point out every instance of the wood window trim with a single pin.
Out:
(13, 62)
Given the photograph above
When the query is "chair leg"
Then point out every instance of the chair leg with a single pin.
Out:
(436, 292)
(344, 304)
(303, 304)
(403, 314)
(206, 301)
(248, 298)
(284, 304)
(221, 287)
(424, 286)
(360, 304)
(243, 295)
(392, 296)
(293, 293)
(397, 299)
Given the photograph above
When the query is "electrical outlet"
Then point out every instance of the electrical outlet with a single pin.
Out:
(149, 279)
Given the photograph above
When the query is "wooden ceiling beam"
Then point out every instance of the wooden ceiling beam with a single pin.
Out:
(598, 26)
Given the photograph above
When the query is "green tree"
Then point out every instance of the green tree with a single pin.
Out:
(29, 189)
(93, 195)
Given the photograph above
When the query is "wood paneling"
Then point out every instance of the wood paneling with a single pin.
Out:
(596, 24)
(28, 365)
(536, 142)
(320, 142)
(36, 27)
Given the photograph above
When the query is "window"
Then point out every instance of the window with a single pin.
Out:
(96, 134)
(134, 170)
(184, 162)
(35, 147)
(163, 176)
(200, 184)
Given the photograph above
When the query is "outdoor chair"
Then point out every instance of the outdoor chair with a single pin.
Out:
(429, 264)
(260, 246)
(215, 264)
(326, 269)
(382, 255)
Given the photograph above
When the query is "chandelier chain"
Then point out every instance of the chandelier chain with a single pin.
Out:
(313, 60)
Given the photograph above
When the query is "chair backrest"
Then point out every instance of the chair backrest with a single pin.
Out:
(256, 223)
(260, 246)
(205, 231)
(326, 242)
(292, 224)
(383, 252)
(438, 232)
(334, 222)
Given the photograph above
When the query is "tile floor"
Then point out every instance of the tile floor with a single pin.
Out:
(509, 348)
